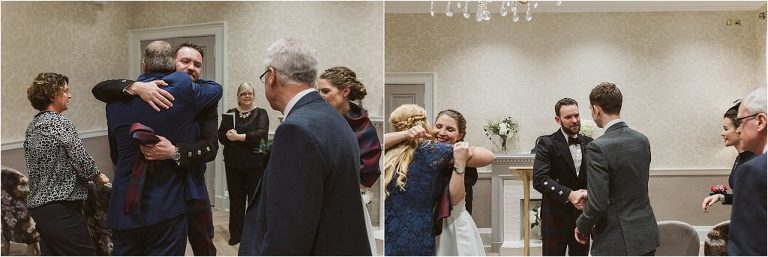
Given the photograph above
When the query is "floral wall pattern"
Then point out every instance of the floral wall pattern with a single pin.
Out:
(678, 72)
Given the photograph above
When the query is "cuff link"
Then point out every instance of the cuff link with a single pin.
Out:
(189, 154)
(545, 183)
(207, 148)
(561, 193)
(553, 188)
(199, 152)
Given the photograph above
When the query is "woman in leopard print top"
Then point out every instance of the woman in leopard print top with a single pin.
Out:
(59, 170)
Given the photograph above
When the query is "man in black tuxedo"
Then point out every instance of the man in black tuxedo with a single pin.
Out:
(558, 174)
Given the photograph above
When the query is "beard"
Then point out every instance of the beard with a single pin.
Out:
(572, 130)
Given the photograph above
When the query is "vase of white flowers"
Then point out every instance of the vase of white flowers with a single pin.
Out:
(503, 128)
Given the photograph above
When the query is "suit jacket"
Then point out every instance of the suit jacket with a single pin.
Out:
(308, 200)
(554, 176)
(746, 235)
(193, 154)
(164, 193)
(617, 183)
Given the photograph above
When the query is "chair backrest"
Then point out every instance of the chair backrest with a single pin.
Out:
(15, 189)
(95, 210)
(716, 243)
(677, 238)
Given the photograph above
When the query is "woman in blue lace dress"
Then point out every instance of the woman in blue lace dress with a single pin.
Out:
(413, 181)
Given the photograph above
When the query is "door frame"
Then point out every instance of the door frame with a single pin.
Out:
(428, 79)
(219, 31)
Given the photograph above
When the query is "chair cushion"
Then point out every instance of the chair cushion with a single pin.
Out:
(716, 243)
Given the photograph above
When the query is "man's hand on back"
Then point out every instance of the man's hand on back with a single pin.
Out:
(151, 93)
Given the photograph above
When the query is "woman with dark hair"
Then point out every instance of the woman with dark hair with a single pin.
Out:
(59, 170)
(731, 138)
(341, 88)
(244, 163)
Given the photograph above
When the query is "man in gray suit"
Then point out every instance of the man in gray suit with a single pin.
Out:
(618, 216)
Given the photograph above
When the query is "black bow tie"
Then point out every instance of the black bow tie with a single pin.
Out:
(574, 141)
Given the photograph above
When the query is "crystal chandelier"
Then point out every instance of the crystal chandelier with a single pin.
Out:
(483, 14)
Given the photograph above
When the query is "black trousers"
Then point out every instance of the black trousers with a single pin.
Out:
(63, 230)
(557, 227)
(162, 239)
(241, 184)
(200, 225)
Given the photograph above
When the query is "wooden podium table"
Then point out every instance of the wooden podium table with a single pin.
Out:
(525, 174)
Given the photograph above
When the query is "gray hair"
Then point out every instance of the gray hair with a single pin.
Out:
(159, 57)
(294, 60)
(755, 101)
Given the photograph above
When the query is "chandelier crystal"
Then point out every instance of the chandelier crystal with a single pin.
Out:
(482, 12)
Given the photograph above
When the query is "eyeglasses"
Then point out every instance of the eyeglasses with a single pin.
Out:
(740, 119)
(262, 75)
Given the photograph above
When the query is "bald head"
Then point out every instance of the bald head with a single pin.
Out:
(159, 56)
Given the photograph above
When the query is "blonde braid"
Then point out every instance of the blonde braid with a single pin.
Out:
(399, 157)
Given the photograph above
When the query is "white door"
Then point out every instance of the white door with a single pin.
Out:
(400, 94)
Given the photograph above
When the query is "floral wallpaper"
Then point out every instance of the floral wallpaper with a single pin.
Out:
(348, 34)
(85, 41)
(678, 72)
(88, 43)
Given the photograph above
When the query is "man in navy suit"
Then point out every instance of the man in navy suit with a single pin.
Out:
(559, 174)
(189, 59)
(746, 235)
(158, 224)
(308, 200)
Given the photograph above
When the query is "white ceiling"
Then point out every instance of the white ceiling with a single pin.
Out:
(588, 6)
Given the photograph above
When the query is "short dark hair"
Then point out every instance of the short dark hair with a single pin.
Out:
(564, 102)
(731, 114)
(607, 96)
(159, 57)
(44, 88)
(190, 45)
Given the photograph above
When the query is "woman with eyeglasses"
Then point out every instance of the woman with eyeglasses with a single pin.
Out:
(731, 138)
(243, 159)
(59, 170)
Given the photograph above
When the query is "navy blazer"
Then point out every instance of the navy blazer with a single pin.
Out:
(163, 196)
(746, 235)
(308, 201)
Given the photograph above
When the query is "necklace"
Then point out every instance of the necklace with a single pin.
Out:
(244, 115)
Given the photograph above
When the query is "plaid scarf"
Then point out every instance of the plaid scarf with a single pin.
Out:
(143, 135)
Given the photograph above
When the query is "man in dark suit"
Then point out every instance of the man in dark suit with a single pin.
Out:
(308, 201)
(189, 59)
(618, 215)
(156, 224)
(558, 174)
(746, 235)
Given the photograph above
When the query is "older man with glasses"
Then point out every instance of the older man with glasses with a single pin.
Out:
(308, 200)
(747, 233)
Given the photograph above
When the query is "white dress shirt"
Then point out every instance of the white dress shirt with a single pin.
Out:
(295, 100)
(575, 151)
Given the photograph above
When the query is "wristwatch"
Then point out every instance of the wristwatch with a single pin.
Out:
(458, 170)
(176, 156)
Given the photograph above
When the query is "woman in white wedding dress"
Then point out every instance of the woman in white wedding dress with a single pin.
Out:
(460, 236)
